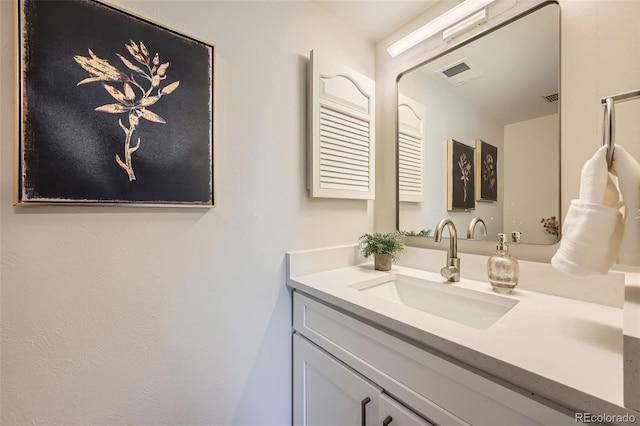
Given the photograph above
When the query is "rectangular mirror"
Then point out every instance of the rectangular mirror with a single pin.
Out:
(479, 133)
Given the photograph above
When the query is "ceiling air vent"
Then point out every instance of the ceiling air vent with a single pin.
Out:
(458, 73)
(456, 69)
(551, 97)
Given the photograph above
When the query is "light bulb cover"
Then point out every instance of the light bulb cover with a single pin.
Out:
(441, 23)
(478, 18)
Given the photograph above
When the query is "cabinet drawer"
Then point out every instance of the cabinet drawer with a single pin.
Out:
(393, 413)
(432, 386)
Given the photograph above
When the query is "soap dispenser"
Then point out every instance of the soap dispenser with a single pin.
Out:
(503, 270)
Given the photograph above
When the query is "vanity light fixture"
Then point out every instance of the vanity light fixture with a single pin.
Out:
(458, 17)
(478, 18)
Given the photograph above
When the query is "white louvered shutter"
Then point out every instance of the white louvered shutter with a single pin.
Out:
(341, 153)
(410, 149)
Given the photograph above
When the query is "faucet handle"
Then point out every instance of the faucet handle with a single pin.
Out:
(451, 272)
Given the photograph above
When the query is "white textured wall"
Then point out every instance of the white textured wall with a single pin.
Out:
(600, 56)
(176, 316)
(591, 69)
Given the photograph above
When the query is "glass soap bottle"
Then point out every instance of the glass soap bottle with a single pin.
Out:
(503, 270)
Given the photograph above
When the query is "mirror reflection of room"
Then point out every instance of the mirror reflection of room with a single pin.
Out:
(479, 134)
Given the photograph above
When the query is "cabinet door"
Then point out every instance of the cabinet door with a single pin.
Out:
(328, 393)
(392, 413)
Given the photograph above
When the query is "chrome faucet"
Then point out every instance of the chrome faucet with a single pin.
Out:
(452, 270)
(472, 225)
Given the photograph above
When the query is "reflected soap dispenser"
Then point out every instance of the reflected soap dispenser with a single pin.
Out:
(503, 270)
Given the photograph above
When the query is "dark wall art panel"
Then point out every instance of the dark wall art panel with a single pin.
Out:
(461, 176)
(113, 108)
(487, 168)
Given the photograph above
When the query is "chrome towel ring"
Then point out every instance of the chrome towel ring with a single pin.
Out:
(609, 124)
(609, 130)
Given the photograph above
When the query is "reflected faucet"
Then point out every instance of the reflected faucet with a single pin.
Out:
(452, 270)
(472, 226)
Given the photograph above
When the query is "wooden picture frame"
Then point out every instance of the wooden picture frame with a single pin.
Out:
(460, 176)
(486, 172)
(113, 108)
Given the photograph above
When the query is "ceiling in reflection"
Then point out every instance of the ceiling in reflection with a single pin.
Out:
(510, 85)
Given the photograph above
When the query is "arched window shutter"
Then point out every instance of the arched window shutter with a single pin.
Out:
(341, 152)
(410, 149)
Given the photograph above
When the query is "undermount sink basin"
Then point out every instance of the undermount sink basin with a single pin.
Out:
(468, 307)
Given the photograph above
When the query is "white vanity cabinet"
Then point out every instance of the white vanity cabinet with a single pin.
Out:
(329, 393)
(347, 372)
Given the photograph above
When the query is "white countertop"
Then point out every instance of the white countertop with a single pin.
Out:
(565, 350)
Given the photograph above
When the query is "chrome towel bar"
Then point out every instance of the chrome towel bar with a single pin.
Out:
(622, 97)
(609, 122)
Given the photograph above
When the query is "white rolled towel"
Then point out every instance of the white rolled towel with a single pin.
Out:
(592, 229)
(591, 236)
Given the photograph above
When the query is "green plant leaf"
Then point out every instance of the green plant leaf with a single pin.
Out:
(378, 243)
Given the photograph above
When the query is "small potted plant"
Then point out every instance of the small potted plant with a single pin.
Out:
(384, 247)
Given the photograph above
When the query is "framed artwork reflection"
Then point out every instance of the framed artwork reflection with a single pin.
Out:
(460, 176)
(487, 172)
(113, 108)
